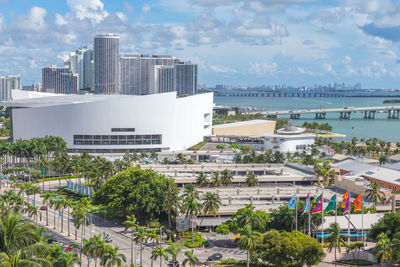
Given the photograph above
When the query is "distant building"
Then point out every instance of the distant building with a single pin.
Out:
(82, 63)
(59, 80)
(163, 79)
(106, 64)
(7, 83)
(144, 75)
(185, 78)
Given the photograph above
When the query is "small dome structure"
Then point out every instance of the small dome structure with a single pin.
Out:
(291, 129)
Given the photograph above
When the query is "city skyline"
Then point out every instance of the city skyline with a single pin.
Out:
(297, 42)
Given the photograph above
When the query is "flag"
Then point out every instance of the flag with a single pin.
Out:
(318, 208)
(347, 207)
(292, 202)
(306, 206)
(344, 199)
(358, 203)
(331, 207)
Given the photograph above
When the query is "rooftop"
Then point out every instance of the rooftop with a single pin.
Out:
(242, 123)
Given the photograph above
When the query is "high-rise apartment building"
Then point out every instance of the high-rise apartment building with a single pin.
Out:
(81, 62)
(137, 73)
(59, 80)
(106, 64)
(185, 78)
(163, 80)
(7, 83)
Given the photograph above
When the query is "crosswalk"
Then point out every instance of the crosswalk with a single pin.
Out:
(229, 250)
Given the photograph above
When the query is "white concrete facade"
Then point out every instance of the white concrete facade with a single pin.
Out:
(288, 143)
(176, 123)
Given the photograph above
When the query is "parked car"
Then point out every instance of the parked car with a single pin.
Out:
(215, 257)
(107, 238)
(68, 249)
(43, 208)
(51, 240)
(173, 264)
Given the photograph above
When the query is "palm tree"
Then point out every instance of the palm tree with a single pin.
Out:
(173, 250)
(172, 201)
(47, 197)
(226, 177)
(159, 251)
(335, 239)
(140, 237)
(202, 180)
(383, 249)
(373, 193)
(211, 204)
(191, 206)
(61, 204)
(190, 258)
(247, 240)
(216, 179)
(95, 247)
(69, 203)
(112, 257)
(251, 179)
(130, 223)
(151, 235)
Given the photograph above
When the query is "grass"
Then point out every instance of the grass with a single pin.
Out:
(357, 262)
(198, 146)
(317, 160)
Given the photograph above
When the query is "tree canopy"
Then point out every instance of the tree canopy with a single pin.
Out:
(388, 224)
(286, 249)
(135, 191)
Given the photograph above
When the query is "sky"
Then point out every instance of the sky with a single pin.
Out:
(251, 42)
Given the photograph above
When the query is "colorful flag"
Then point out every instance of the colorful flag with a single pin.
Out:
(358, 203)
(292, 202)
(331, 207)
(318, 208)
(344, 199)
(306, 206)
(347, 207)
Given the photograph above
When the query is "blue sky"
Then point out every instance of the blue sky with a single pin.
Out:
(252, 42)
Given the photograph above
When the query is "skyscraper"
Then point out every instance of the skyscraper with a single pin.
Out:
(106, 64)
(185, 78)
(81, 62)
(163, 80)
(59, 80)
(137, 73)
(7, 83)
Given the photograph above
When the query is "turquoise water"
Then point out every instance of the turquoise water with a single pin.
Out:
(381, 127)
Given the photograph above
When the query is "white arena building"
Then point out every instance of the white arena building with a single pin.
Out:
(115, 123)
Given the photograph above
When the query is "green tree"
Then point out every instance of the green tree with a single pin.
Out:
(140, 237)
(247, 240)
(130, 223)
(159, 252)
(335, 240)
(383, 249)
(47, 197)
(190, 258)
(201, 180)
(216, 179)
(388, 224)
(173, 250)
(286, 249)
(211, 204)
(111, 257)
(136, 191)
(226, 177)
(373, 193)
(191, 205)
(251, 179)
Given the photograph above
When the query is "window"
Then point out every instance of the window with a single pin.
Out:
(88, 137)
(88, 142)
(122, 129)
(114, 136)
(122, 143)
(114, 142)
(397, 203)
(96, 143)
(118, 139)
(105, 142)
(97, 136)
(105, 137)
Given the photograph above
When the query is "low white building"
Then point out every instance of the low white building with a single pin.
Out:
(115, 123)
(289, 139)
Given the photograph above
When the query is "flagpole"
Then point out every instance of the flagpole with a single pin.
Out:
(296, 210)
(322, 209)
(309, 220)
(336, 206)
(362, 218)
(348, 226)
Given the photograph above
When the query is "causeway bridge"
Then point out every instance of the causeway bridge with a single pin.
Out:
(344, 113)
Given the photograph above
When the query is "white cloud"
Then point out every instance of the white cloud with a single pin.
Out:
(264, 68)
(34, 21)
(146, 8)
(91, 9)
(2, 25)
(375, 70)
(328, 68)
(222, 69)
(60, 20)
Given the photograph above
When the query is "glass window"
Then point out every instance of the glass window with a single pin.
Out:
(122, 142)
(105, 137)
(122, 137)
(155, 142)
(105, 142)
(88, 142)
(131, 142)
(138, 142)
(96, 143)
(146, 141)
(147, 136)
(130, 137)
(114, 142)
(88, 137)
(114, 136)
(97, 136)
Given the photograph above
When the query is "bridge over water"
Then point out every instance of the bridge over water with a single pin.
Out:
(344, 113)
